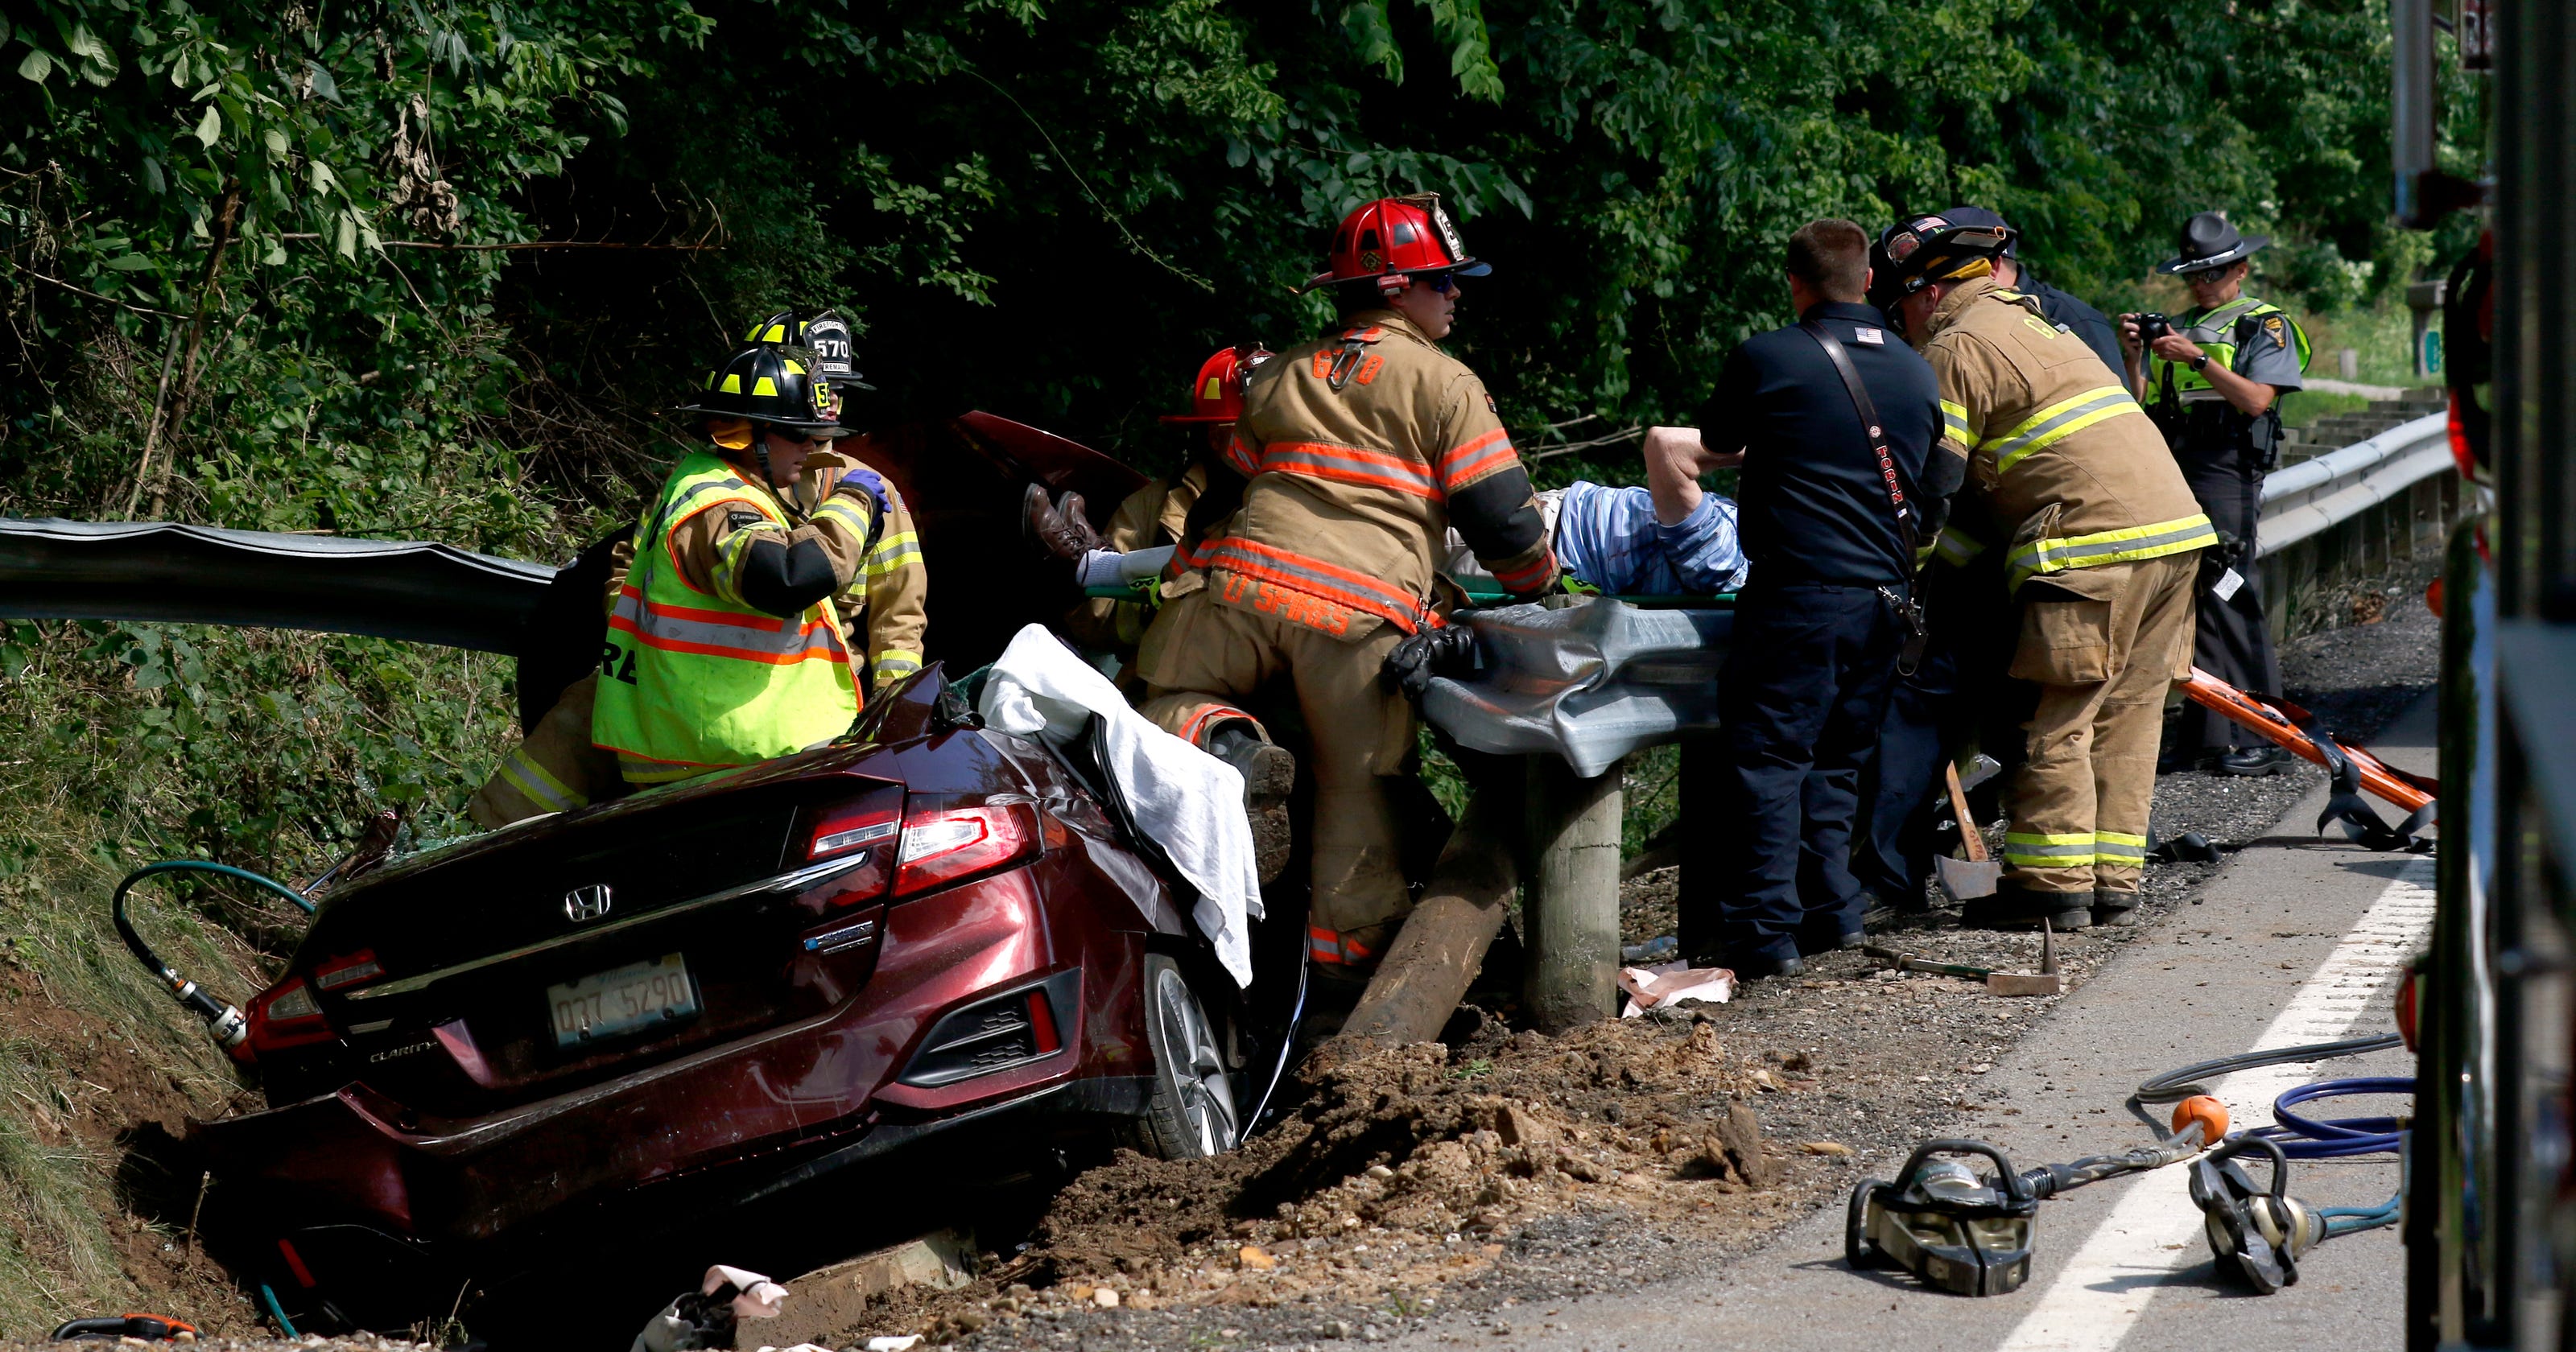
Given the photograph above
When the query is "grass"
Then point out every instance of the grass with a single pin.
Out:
(134, 743)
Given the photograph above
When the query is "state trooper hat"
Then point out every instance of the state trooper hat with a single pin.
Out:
(2207, 241)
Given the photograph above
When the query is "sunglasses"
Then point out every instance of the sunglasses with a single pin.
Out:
(1441, 283)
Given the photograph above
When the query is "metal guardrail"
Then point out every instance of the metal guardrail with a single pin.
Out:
(2316, 495)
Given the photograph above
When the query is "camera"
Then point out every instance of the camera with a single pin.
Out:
(2152, 326)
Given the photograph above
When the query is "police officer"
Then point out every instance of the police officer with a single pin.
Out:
(1834, 503)
(2214, 382)
(1359, 450)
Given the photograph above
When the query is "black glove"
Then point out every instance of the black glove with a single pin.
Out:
(1447, 651)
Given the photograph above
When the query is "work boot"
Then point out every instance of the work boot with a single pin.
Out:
(2255, 761)
(2014, 907)
(2116, 909)
(1757, 966)
(1059, 529)
(1269, 773)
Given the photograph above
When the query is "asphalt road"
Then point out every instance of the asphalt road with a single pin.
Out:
(2295, 941)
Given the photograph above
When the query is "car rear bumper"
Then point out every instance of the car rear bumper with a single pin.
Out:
(382, 1276)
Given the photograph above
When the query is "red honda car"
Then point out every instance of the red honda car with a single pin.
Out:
(635, 1018)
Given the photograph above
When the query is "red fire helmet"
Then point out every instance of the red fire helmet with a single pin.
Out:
(1396, 236)
(1217, 395)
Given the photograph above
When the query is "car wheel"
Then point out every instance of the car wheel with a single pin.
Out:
(1192, 1113)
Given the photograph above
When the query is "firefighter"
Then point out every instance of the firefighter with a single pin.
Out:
(556, 767)
(725, 646)
(889, 603)
(1155, 515)
(1959, 694)
(2099, 536)
(1359, 450)
(2214, 380)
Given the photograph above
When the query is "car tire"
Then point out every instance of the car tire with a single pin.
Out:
(1192, 1112)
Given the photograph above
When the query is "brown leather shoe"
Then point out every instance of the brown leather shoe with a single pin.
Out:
(1058, 529)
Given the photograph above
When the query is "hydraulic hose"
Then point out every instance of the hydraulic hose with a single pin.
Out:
(2305, 1138)
(224, 1021)
(2187, 1082)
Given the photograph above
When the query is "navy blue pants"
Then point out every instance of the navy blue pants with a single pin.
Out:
(1917, 735)
(1957, 695)
(1807, 677)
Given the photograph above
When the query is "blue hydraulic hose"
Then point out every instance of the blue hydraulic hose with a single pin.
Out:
(2306, 1138)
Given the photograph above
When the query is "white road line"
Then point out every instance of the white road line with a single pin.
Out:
(2097, 1297)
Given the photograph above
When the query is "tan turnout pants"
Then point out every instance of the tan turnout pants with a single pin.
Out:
(1200, 658)
(554, 769)
(2104, 644)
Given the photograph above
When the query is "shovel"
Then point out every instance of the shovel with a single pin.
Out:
(1974, 876)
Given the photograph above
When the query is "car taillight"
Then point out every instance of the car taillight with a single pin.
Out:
(286, 1016)
(843, 832)
(948, 844)
(335, 973)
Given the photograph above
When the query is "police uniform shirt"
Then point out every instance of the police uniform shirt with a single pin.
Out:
(2075, 317)
(2269, 355)
(1814, 506)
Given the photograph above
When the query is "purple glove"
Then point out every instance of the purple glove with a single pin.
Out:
(866, 481)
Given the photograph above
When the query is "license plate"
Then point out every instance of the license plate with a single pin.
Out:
(629, 999)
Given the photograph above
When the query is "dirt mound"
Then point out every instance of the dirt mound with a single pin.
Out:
(1397, 1172)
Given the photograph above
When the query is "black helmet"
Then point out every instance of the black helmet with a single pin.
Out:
(826, 334)
(771, 385)
(1916, 252)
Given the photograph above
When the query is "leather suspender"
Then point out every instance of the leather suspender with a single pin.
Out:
(1906, 529)
(1908, 534)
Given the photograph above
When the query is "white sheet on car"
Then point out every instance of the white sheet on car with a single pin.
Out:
(1189, 802)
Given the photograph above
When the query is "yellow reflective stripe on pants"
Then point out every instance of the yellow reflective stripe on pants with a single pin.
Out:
(2057, 422)
(2030, 851)
(2111, 847)
(542, 788)
(896, 663)
(2111, 546)
(1954, 420)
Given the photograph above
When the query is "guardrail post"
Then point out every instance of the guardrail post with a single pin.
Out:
(1571, 911)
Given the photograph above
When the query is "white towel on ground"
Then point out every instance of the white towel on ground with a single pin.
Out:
(1186, 800)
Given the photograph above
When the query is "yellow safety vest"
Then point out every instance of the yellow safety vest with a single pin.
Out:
(2215, 334)
(692, 682)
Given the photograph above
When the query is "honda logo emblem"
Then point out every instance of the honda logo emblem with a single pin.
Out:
(586, 903)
